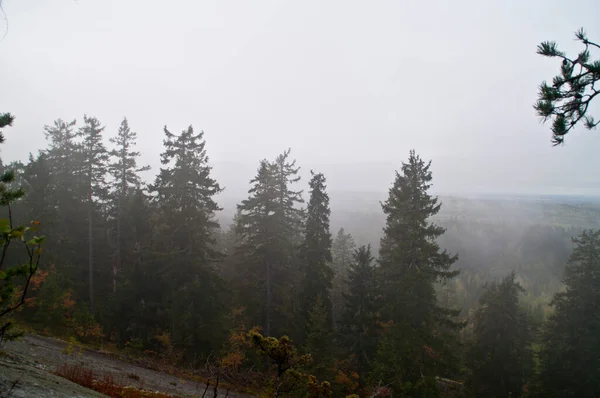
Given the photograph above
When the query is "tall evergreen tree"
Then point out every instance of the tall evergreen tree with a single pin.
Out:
(138, 303)
(410, 264)
(95, 158)
(125, 171)
(259, 249)
(500, 357)
(315, 252)
(185, 238)
(342, 251)
(569, 357)
(64, 155)
(69, 198)
(269, 227)
(359, 320)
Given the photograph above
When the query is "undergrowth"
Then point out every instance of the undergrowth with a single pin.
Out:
(105, 385)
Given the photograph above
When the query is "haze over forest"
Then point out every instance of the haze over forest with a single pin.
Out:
(308, 199)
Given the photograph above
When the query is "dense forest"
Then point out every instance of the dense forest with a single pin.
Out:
(411, 294)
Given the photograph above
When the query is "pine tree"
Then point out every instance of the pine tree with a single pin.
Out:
(501, 357)
(185, 238)
(410, 264)
(95, 158)
(342, 256)
(125, 172)
(315, 252)
(567, 100)
(571, 337)
(359, 320)
(6, 120)
(269, 227)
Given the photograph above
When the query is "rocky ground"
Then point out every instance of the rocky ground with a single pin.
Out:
(26, 366)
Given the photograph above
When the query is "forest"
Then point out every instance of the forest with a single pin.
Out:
(290, 292)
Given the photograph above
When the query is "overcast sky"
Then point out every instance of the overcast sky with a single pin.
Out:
(350, 86)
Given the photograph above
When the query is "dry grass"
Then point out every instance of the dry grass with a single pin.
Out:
(105, 385)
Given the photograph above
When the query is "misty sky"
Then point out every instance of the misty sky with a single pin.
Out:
(350, 86)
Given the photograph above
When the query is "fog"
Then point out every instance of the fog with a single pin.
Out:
(350, 87)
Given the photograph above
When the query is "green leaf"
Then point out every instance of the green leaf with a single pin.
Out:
(4, 225)
(2, 275)
(17, 232)
(36, 240)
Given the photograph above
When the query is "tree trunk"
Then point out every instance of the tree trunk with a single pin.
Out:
(268, 312)
(118, 260)
(91, 256)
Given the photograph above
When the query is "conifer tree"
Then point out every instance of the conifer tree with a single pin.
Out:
(95, 158)
(501, 357)
(64, 155)
(567, 100)
(410, 264)
(38, 183)
(269, 227)
(259, 248)
(342, 251)
(125, 172)
(315, 252)
(69, 198)
(6, 120)
(571, 337)
(359, 321)
(185, 238)
(185, 193)
(138, 303)
(288, 213)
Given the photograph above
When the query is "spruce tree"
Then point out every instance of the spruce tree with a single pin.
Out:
(95, 168)
(138, 306)
(569, 357)
(185, 239)
(410, 265)
(259, 248)
(269, 230)
(69, 198)
(64, 156)
(125, 171)
(315, 252)
(359, 320)
(39, 185)
(500, 357)
(342, 251)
